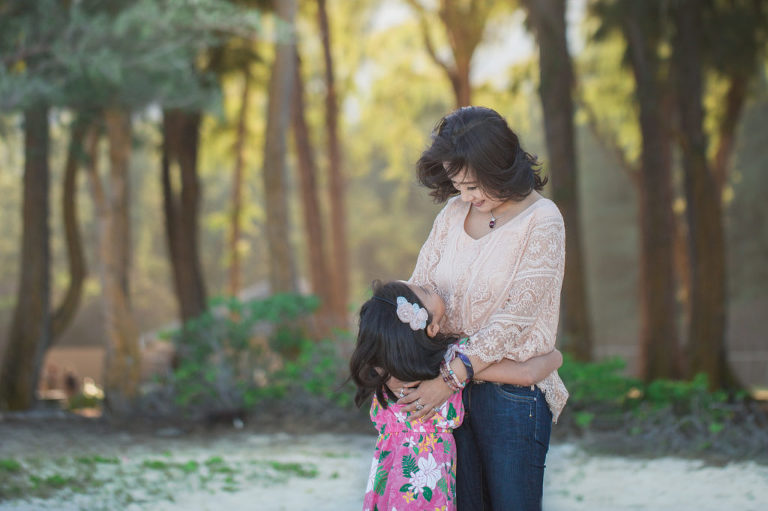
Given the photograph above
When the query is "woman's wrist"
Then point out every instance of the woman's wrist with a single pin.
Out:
(458, 368)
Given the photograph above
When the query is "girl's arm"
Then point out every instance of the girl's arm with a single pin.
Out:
(526, 373)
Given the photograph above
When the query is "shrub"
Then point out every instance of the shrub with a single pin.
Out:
(219, 353)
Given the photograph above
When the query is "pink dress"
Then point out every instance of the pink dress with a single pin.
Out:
(414, 464)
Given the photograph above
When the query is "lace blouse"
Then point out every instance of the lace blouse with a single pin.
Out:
(501, 290)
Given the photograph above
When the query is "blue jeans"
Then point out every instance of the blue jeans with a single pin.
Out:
(502, 446)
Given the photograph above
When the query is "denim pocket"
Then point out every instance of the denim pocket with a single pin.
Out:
(520, 397)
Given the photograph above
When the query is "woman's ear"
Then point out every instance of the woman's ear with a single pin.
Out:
(432, 329)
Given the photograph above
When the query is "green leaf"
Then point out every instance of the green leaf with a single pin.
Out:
(383, 455)
(380, 481)
(405, 488)
(451, 412)
(409, 466)
(443, 485)
(716, 427)
(427, 493)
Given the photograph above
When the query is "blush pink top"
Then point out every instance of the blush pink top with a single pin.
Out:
(503, 289)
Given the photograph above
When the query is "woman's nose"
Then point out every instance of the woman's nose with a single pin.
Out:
(467, 196)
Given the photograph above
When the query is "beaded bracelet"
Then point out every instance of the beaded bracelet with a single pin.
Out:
(450, 378)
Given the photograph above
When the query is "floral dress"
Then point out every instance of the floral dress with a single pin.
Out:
(414, 464)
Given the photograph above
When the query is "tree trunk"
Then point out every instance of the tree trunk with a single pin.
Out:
(464, 24)
(64, 315)
(337, 189)
(548, 20)
(181, 136)
(658, 335)
(706, 338)
(734, 105)
(237, 188)
(30, 332)
(122, 365)
(283, 273)
(313, 224)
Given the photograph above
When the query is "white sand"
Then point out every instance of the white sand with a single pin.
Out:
(574, 480)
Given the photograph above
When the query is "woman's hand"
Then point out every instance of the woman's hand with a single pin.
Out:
(400, 388)
(426, 399)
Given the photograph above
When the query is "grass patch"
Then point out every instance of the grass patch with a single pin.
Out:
(9, 465)
(294, 469)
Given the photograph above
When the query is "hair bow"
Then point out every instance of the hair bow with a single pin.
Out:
(411, 313)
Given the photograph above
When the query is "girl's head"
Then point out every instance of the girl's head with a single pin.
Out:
(474, 146)
(388, 346)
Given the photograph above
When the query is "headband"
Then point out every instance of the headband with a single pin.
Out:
(410, 313)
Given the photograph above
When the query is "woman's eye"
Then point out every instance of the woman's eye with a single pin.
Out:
(471, 188)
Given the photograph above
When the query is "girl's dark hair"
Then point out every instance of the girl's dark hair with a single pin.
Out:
(478, 139)
(388, 347)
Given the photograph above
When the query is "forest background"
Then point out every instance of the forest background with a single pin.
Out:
(159, 157)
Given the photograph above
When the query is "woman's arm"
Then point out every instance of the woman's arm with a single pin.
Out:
(529, 372)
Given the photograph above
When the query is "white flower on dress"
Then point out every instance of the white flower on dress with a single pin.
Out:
(372, 474)
(428, 474)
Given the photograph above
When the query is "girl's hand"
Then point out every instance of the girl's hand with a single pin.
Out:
(426, 399)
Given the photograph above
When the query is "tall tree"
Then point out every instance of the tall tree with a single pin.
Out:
(282, 267)
(638, 22)
(319, 273)
(181, 139)
(706, 343)
(122, 361)
(66, 311)
(237, 186)
(464, 23)
(30, 331)
(547, 18)
(337, 189)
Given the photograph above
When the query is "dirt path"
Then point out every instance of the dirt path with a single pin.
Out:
(242, 470)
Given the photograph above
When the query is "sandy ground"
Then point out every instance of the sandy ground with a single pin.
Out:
(242, 470)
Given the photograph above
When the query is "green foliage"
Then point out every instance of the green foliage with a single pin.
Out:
(597, 382)
(318, 370)
(295, 469)
(107, 53)
(9, 465)
(220, 351)
(598, 389)
(81, 400)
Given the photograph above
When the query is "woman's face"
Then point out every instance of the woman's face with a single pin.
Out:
(464, 181)
(432, 302)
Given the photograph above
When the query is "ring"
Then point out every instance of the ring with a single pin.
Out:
(419, 406)
(402, 392)
(436, 410)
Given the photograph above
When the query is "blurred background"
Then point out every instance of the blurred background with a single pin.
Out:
(192, 191)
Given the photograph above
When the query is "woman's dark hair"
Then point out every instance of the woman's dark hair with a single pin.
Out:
(388, 347)
(478, 139)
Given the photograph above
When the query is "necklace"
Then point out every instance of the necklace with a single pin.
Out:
(492, 223)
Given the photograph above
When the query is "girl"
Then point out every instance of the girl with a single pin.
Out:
(399, 340)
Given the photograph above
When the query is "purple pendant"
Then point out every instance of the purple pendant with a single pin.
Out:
(492, 223)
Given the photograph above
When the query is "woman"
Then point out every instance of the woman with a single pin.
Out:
(496, 255)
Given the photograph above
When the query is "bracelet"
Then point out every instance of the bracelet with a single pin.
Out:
(467, 364)
(449, 378)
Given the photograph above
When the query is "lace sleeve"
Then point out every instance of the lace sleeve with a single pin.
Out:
(429, 255)
(526, 323)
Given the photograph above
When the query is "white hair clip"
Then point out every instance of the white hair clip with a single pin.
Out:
(411, 313)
